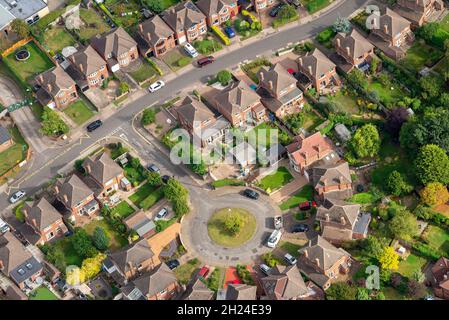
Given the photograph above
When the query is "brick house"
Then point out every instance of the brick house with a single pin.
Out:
(117, 48)
(321, 71)
(241, 291)
(342, 221)
(240, 105)
(106, 173)
(354, 48)
(284, 283)
(279, 91)
(16, 262)
(57, 89)
(187, 21)
(158, 284)
(155, 37)
(198, 291)
(440, 274)
(44, 219)
(322, 263)
(218, 11)
(393, 29)
(331, 180)
(419, 11)
(305, 151)
(77, 198)
(88, 68)
(6, 140)
(201, 123)
(261, 5)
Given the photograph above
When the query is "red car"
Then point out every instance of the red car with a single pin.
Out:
(204, 272)
(307, 205)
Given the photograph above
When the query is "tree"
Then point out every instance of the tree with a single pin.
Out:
(373, 246)
(342, 25)
(148, 116)
(432, 86)
(135, 163)
(366, 141)
(357, 77)
(432, 165)
(374, 65)
(434, 194)
(403, 225)
(269, 259)
(21, 28)
(397, 184)
(123, 87)
(100, 239)
(52, 124)
(79, 166)
(91, 267)
(178, 195)
(155, 6)
(82, 244)
(419, 276)
(389, 259)
(295, 121)
(224, 77)
(233, 223)
(362, 294)
(154, 179)
(287, 13)
(395, 119)
(341, 291)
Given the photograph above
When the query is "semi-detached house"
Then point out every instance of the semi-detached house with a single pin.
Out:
(155, 37)
(218, 11)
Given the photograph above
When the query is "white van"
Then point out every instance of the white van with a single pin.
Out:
(190, 50)
(274, 238)
(3, 227)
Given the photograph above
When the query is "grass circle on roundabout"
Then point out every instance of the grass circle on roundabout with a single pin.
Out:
(218, 233)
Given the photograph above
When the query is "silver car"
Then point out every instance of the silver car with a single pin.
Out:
(17, 196)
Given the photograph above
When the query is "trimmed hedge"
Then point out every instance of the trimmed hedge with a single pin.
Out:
(220, 34)
(434, 217)
(155, 66)
(427, 252)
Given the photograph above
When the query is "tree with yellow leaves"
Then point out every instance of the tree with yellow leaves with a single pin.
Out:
(92, 266)
(389, 259)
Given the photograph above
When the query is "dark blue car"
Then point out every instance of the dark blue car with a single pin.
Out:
(230, 32)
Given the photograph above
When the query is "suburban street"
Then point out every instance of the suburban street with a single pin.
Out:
(47, 164)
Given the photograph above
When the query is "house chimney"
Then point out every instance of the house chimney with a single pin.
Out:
(34, 223)
(348, 51)
(310, 70)
(324, 181)
(317, 261)
(301, 62)
(41, 78)
(81, 67)
(338, 42)
(149, 36)
(25, 211)
(341, 179)
(1, 264)
(261, 77)
(327, 217)
(342, 220)
(386, 29)
(270, 85)
(66, 199)
(49, 86)
(306, 254)
(140, 27)
(88, 168)
(56, 189)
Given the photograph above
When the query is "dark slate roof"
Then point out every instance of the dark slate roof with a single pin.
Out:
(25, 270)
(156, 280)
(134, 254)
(102, 167)
(12, 253)
(42, 212)
(4, 135)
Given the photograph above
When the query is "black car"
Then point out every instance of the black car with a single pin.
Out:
(274, 12)
(251, 194)
(300, 228)
(173, 264)
(294, 3)
(94, 125)
(165, 178)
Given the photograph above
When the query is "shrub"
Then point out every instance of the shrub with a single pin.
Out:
(220, 34)
(269, 259)
(426, 251)
(148, 116)
(325, 35)
(245, 275)
(224, 77)
(155, 66)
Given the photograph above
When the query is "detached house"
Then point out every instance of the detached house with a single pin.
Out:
(319, 70)
(187, 21)
(354, 48)
(322, 263)
(57, 89)
(218, 11)
(44, 219)
(16, 262)
(105, 172)
(419, 11)
(284, 283)
(155, 37)
(305, 151)
(88, 68)
(279, 91)
(76, 196)
(201, 123)
(440, 274)
(198, 291)
(240, 105)
(117, 48)
(393, 29)
(240, 291)
(331, 180)
(341, 221)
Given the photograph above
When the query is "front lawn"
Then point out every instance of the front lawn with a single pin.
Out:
(79, 112)
(146, 196)
(133, 175)
(306, 194)
(313, 6)
(117, 241)
(420, 56)
(14, 154)
(290, 248)
(176, 60)
(277, 180)
(228, 182)
(143, 73)
(207, 46)
(412, 264)
(185, 272)
(93, 24)
(42, 293)
(123, 210)
(57, 38)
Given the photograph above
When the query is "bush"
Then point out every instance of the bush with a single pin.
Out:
(426, 251)
(52, 124)
(325, 36)
(224, 77)
(245, 275)
(220, 34)
(269, 259)
(148, 116)
(155, 66)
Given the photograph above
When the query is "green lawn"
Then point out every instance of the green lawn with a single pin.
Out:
(57, 38)
(144, 72)
(185, 272)
(345, 102)
(421, 55)
(116, 240)
(362, 198)
(312, 120)
(130, 7)
(227, 182)
(218, 233)
(437, 238)
(14, 154)
(93, 24)
(146, 196)
(291, 248)
(207, 46)
(38, 62)
(305, 194)
(261, 134)
(168, 3)
(173, 57)
(42, 293)
(313, 6)
(387, 95)
(79, 112)
(123, 209)
(277, 180)
(412, 264)
(71, 257)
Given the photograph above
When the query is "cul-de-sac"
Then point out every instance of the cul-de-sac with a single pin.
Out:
(224, 150)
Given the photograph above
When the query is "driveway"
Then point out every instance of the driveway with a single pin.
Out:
(29, 128)
(9, 93)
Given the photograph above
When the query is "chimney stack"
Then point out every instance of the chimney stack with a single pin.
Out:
(306, 254)
(49, 86)
(301, 62)
(348, 51)
(343, 220)
(317, 261)
(327, 217)
(88, 168)
(1, 264)
(140, 27)
(66, 199)
(338, 42)
(270, 84)
(261, 77)
(56, 189)
(386, 28)
(41, 78)
(81, 67)
(310, 70)
(148, 36)
(34, 223)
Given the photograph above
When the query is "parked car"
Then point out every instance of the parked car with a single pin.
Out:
(17, 196)
(165, 178)
(161, 214)
(274, 238)
(205, 61)
(229, 32)
(204, 271)
(173, 264)
(94, 125)
(297, 228)
(307, 205)
(190, 50)
(265, 269)
(4, 227)
(295, 3)
(251, 194)
(278, 221)
(274, 12)
(290, 259)
(156, 86)
(153, 168)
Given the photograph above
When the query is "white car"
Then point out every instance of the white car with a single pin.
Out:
(156, 86)
(4, 227)
(190, 50)
(274, 239)
(17, 196)
(161, 214)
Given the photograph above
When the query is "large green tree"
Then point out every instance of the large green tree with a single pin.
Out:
(52, 124)
(366, 141)
(403, 225)
(397, 184)
(82, 244)
(432, 165)
(20, 27)
(100, 239)
(341, 291)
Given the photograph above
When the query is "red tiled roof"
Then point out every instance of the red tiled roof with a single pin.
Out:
(305, 148)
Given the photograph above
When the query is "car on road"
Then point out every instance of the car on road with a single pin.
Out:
(274, 12)
(274, 238)
(161, 214)
(156, 86)
(94, 125)
(165, 179)
(297, 228)
(278, 222)
(17, 196)
(307, 205)
(190, 50)
(265, 269)
(290, 259)
(173, 264)
(251, 194)
(230, 32)
(205, 61)
(4, 227)
(153, 168)
(295, 3)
